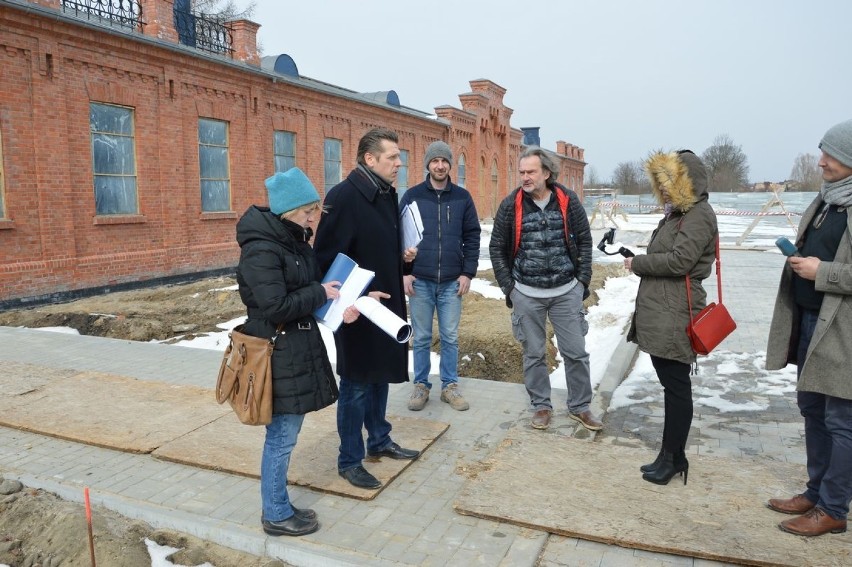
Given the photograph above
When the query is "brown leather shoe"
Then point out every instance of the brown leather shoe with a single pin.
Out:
(815, 523)
(798, 504)
(541, 418)
(587, 420)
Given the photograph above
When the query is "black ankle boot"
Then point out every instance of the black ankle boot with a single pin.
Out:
(651, 466)
(668, 467)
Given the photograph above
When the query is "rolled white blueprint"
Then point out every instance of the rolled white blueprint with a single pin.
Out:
(384, 318)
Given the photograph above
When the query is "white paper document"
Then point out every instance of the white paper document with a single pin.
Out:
(411, 225)
(384, 318)
(353, 279)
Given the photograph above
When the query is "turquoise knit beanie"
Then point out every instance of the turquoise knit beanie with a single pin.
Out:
(290, 190)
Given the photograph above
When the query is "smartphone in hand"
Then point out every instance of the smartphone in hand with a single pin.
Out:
(787, 248)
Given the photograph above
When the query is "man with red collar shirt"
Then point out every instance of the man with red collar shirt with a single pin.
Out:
(541, 251)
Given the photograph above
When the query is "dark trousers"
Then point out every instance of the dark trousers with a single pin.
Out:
(828, 438)
(677, 390)
(361, 406)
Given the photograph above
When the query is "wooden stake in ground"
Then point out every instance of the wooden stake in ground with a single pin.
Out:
(89, 524)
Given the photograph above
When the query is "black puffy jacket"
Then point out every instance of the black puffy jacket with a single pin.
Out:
(278, 281)
(507, 223)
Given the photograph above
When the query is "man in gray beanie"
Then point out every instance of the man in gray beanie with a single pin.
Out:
(812, 328)
(438, 149)
(446, 261)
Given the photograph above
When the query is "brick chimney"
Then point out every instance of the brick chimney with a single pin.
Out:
(245, 41)
(159, 18)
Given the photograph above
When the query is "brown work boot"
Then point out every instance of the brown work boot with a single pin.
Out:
(541, 418)
(798, 504)
(418, 398)
(587, 420)
(814, 523)
(452, 396)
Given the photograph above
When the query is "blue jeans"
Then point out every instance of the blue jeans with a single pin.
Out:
(445, 299)
(361, 405)
(828, 438)
(281, 437)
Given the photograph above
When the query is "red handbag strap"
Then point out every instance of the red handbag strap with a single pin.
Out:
(718, 282)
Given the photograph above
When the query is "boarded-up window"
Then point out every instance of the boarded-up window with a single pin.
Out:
(113, 159)
(402, 174)
(332, 161)
(2, 182)
(214, 165)
(284, 149)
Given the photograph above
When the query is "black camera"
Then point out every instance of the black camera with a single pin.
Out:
(609, 238)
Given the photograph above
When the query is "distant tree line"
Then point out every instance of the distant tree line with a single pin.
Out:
(727, 171)
(806, 174)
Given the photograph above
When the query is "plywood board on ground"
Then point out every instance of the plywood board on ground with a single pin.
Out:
(228, 445)
(19, 378)
(591, 491)
(110, 411)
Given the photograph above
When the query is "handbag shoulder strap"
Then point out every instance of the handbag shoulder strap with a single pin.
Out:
(718, 281)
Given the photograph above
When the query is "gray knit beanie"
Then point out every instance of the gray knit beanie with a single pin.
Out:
(438, 149)
(837, 142)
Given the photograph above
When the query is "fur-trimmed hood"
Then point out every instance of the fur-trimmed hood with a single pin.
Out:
(681, 174)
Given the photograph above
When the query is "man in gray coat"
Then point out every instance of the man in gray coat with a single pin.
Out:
(812, 328)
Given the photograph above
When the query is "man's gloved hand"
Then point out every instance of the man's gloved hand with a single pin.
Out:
(586, 292)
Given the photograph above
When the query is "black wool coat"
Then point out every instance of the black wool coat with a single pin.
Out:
(278, 280)
(363, 222)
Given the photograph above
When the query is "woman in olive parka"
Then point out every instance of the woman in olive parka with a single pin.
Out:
(684, 243)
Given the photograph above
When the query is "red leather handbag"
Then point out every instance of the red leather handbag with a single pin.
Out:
(713, 323)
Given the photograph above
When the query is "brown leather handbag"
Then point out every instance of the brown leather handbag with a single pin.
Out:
(713, 323)
(245, 376)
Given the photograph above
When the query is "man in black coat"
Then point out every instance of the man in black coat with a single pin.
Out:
(361, 220)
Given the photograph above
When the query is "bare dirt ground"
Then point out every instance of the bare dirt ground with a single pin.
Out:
(37, 529)
(487, 349)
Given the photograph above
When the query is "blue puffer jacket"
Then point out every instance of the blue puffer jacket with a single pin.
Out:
(450, 245)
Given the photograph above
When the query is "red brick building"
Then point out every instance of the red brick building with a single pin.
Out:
(131, 140)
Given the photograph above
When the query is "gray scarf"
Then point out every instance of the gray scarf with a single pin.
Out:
(383, 186)
(838, 192)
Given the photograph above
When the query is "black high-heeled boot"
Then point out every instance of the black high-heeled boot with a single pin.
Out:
(651, 466)
(669, 466)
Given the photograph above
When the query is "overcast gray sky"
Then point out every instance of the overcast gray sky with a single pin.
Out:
(617, 77)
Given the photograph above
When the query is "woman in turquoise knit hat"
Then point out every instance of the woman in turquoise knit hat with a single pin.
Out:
(279, 283)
